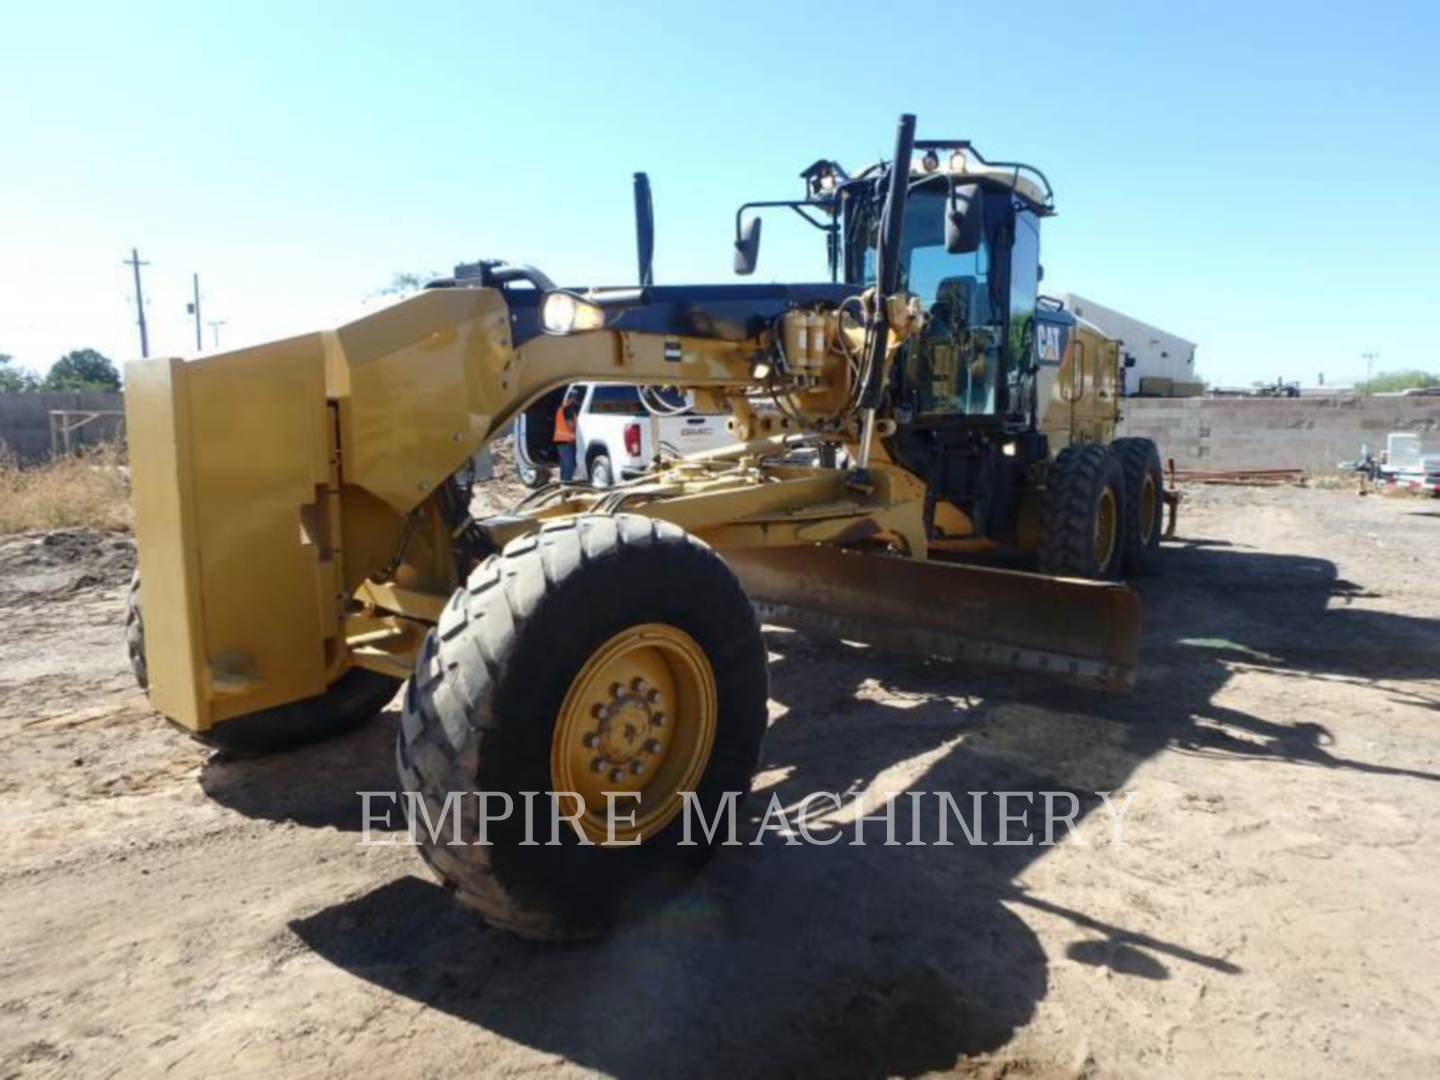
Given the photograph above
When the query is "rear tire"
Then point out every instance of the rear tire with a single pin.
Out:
(1145, 502)
(602, 473)
(1081, 533)
(533, 476)
(495, 681)
(351, 701)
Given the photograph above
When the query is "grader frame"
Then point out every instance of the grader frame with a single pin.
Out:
(301, 530)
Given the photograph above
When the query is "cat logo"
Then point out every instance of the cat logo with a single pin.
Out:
(1051, 342)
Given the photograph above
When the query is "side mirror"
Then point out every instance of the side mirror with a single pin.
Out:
(747, 247)
(965, 220)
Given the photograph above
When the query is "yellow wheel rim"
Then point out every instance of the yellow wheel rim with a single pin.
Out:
(639, 718)
(1105, 520)
(1147, 508)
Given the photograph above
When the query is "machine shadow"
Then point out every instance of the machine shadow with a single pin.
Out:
(889, 960)
(314, 786)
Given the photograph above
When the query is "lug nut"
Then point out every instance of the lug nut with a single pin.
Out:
(639, 685)
(652, 746)
(653, 696)
(657, 719)
(597, 764)
(637, 767)
(598, 710)
(616, 775)
(590, 740)
(616, 690)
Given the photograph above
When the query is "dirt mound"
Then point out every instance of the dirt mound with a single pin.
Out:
(504, 490)
(55, 564)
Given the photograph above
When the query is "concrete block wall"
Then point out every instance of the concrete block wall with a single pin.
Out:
(25, 420)
(1273, 433)
(1199, 433)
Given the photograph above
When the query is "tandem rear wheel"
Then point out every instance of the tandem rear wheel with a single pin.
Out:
(1145, 499)
(1082, 530)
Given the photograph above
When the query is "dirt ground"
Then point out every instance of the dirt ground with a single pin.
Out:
(1274, 909)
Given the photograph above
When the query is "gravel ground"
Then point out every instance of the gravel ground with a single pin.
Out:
(1271, 911)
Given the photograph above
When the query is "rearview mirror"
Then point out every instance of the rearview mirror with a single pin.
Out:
(747, 247)
(965, 220)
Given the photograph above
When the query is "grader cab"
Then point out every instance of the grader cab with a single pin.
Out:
(306, 548)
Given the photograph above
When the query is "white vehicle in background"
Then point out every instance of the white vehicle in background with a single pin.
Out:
(1408, 461)
(616, 435)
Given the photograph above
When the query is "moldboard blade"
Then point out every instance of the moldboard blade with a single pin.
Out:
(1082, 631)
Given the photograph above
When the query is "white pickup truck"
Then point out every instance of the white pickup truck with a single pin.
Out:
(615, 435)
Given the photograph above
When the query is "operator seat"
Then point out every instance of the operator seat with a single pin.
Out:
(943, 355)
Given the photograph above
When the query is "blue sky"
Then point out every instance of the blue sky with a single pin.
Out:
(1251, 176)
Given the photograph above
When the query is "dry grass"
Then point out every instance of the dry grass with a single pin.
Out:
(91, 490)
(1333, 481)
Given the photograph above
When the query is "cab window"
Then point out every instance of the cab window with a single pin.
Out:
(1024, 283)
(953, 368)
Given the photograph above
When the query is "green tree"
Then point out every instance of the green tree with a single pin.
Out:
(15, 380)
(83, 369)
(1388, 382)
(408, 281)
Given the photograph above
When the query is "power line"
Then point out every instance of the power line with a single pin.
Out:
(134, 263)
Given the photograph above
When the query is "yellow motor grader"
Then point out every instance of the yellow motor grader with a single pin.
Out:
(306, 544)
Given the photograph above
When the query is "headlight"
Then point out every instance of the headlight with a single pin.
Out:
(566, 313)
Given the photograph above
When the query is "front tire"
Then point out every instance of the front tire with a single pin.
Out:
(351, 701)
(524, 686)
(1081, 532)
(135, 633)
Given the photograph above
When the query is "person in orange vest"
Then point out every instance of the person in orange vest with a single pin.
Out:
(565, 417)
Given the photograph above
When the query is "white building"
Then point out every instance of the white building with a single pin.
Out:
(1159, 355)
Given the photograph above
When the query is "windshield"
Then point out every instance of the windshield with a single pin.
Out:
(953, 368)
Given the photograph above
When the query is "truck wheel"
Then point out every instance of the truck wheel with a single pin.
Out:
(1145, 499)
(602, 656)
(135, 633)
(354, 699)
(1081, 531)
(532, 476)
(602, 475)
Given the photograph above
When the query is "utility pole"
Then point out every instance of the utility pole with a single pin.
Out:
(194, 307)
(215, 325)
(134, 263)
(1369, 358)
